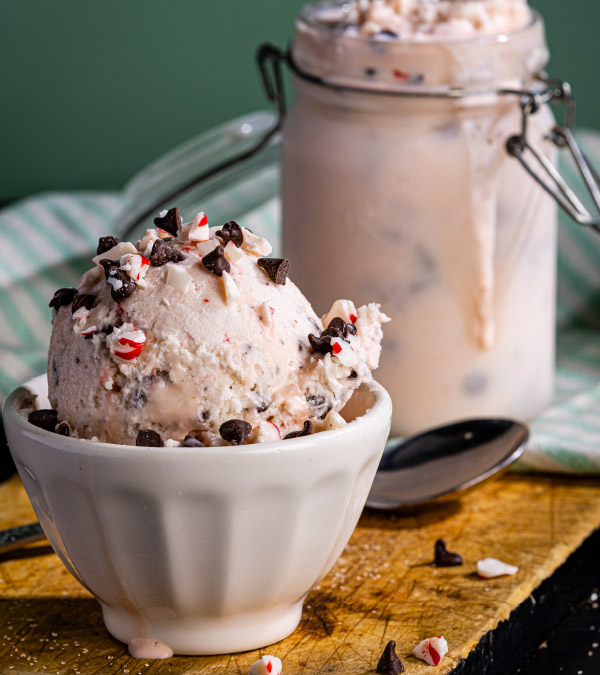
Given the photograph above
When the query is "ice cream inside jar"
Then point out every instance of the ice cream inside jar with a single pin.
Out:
(397, 185)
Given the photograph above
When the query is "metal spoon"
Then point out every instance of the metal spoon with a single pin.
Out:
(444, 460)
(437, 462)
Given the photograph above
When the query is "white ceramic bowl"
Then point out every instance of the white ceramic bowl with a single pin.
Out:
(207, 550)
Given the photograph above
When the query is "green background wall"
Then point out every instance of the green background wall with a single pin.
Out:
(91, 91)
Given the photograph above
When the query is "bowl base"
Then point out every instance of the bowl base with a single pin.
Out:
(198, 635)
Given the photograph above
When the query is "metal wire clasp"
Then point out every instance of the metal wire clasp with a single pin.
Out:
(541, 168)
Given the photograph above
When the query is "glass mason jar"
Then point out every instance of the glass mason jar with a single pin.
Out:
(397, 188)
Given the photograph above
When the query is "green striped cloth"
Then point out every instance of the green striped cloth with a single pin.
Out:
(47, 240)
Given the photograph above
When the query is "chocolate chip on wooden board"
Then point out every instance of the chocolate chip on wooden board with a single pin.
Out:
(231, 231)
(82, 300)
(148, 438)
(445, 558)
(44, 419)
(389, 663)
(162, 253)
(170, 222)
(306, 430)
(62, 297)
(106, 243)
(276, 269)
(216, 262)
(235, 432)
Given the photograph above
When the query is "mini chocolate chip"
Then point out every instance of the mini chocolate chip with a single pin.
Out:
(44, 419)
(107, 265)
(82, 300)
(370, 72)
(351, 328)
(191, 442)
(389, 663)
(444, 557)
(106, 243)
(170, 222)
(63, 429)
(353, 375)
(235, 431)
(148, 438)
(231, 231)
(106, 330)
(306, 430)
(320, 345)
(332, 332)
(127, 284)
(277, 269)
(262, 407)
(388, 33)
(62, 297)
(216, 262)
(162, 253)
(340, 324)
(77, 359)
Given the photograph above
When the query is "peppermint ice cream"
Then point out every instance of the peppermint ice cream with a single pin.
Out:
(193, 335)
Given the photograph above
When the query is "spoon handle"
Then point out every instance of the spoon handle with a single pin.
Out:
(15, 537)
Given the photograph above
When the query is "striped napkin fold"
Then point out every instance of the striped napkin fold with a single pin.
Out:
(47, 241)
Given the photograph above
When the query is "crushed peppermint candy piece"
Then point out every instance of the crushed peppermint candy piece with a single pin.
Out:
(268, 665)
(199, 228)
(126, 342)
(88, 332)
(265, 432)
(432, 650)
(232, 292)
(254, 244)
(345, 309)
(232, 252)
(231, 232)
(114, 254)
(265, 313)
(169, 221)
(492, 567)
(136, 266)
(178, 277)
(146, 243)
(344, 352)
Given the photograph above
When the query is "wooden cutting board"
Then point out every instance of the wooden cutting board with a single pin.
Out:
(383, 587)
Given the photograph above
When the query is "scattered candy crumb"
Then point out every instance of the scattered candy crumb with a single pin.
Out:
(492, 567)
(432, 650)
(268, 665)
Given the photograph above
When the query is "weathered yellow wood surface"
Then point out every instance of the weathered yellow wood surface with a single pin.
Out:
(384, 587)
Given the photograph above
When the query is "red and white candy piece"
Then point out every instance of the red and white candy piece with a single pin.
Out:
(432, 650)
(232, 292)
(265, 432)
(146, 243)
(136, 266)
(345, 309)
(268, 665)
(344, 352)
(232, 252)
(89, 331)
(492, 567)
(199, 230)
(126, 342)
(254, 244)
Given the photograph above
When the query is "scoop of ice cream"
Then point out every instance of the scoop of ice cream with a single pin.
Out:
(432, 19)
(194, 332)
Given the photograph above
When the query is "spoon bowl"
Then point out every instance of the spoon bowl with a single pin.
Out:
(445, 460)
